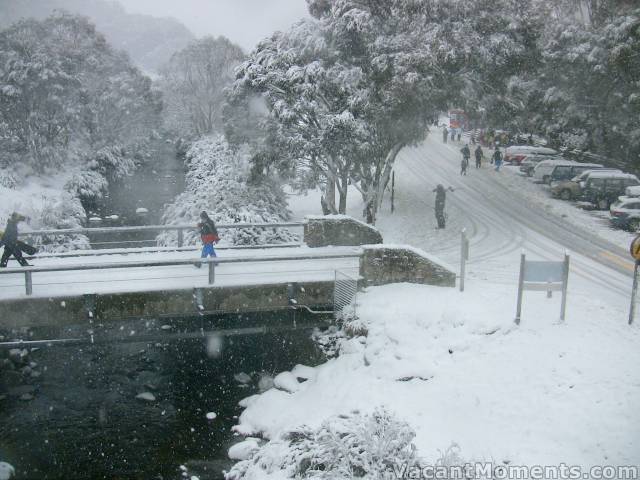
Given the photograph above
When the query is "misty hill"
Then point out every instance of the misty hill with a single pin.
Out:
(150, 41)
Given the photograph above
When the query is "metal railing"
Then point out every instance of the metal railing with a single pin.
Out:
(155, 228)
(29, 272)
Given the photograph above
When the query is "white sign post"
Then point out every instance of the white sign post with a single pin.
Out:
(543, 276)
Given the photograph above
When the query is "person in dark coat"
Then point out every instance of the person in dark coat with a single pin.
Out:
(208, 235)
(10, 241)
(497, 159)
(441, 196)
(445, 134)
(479, 155)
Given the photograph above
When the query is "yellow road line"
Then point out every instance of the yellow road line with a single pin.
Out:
(617, 260)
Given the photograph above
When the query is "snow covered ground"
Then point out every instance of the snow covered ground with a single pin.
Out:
(453, 365)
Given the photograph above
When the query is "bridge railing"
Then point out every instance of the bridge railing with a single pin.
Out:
(211, 263)
(179, 228)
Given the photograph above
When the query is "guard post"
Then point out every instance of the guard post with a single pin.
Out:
(634, 250)
(543, 276)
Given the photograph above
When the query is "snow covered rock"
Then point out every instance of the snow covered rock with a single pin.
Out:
(242, 378)
(211, 415)
(146, 396)
(265, 383)
(303, 372)
(244, 450)
(6, 471)
(286, 381)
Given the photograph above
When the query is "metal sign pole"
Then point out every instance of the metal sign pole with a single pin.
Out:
(634, 291)
(464, 254)
(520, 288)
(565, 280)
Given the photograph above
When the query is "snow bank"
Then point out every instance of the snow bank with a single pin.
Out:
(456, 369)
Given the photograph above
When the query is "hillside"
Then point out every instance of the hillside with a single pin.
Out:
(149, 41)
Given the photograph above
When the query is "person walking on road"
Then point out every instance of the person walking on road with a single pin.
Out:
(459, 133)
(441, 196)
(445, 134)
(208, 235)
(466, 154)
(10, 241)
(497, 159)
(479, 156)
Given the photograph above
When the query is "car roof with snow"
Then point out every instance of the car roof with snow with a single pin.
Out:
(530, 149)
(610, 174)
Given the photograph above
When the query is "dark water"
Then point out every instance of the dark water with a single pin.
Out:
(154, 184)
(84, 421)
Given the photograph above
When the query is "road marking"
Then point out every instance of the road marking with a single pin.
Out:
(617, 260)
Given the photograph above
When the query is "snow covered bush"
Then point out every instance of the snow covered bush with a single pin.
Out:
(87, 184)
(343, 447)
(61, 213)
(217, 181)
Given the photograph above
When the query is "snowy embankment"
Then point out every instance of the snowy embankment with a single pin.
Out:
(457, 370)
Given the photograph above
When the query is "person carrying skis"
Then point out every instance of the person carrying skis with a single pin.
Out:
(208, 235)
(10, 241)
(479, 156)
(441, 196)
(497, 159)
(445, 134)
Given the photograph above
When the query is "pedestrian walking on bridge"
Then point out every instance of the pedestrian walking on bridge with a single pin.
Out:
(208, 235)
(13, 247)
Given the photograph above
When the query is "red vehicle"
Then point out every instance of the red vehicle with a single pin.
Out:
(458, 119)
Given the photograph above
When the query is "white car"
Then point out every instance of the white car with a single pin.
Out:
(543, 170)
(516, 154)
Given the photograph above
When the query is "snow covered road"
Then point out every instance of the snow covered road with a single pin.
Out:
(503, 213)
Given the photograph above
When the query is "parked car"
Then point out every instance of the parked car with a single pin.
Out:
(543, 170)
(603, 188)
(625, 213)
(570, 189)
(529, 163)
(517, 153)
(560, 172)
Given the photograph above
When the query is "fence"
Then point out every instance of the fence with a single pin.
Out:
(345, 293)
(143, 229)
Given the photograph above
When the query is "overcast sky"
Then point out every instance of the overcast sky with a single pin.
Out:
(243, 21)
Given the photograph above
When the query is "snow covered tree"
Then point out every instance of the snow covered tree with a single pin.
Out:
(217, 181)
(193, 82)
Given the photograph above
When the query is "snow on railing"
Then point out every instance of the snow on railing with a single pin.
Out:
(28, 272)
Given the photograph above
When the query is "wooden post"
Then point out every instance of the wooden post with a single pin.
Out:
(634, 291)
(520, 288)
(393, 190)
(565, 280)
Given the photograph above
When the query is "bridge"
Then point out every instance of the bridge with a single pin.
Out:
(155, 282)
